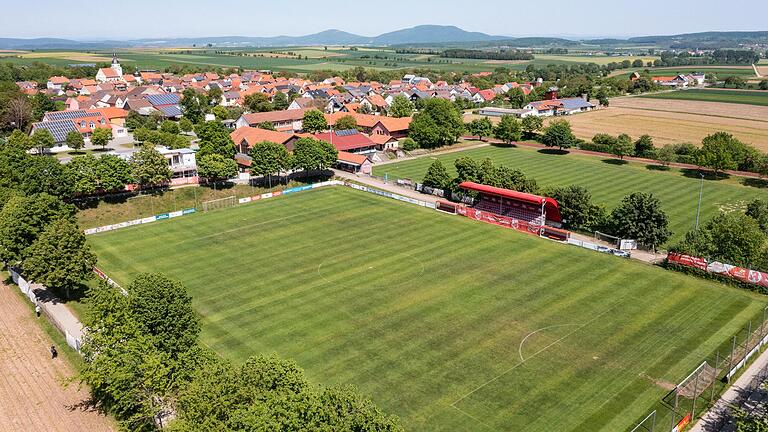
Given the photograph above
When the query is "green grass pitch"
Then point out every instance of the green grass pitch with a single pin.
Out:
(745, 97)
(449, 323)
(608, 182)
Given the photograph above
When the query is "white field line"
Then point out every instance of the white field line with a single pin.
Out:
(520, 348)
(580, 326)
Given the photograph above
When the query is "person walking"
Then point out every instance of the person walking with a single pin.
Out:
(54, 353)
(37, 310)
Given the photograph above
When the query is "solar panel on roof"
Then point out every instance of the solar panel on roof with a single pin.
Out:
(163, 99)
(68, 115)
(170, 111)
(346, 132)
(58, 128)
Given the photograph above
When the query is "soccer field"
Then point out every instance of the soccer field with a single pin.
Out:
(609, 183)
(451, 324)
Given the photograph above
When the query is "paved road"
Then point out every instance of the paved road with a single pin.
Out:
(740, 390)
(33, 396)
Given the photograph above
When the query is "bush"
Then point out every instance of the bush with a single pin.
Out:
(408, 144)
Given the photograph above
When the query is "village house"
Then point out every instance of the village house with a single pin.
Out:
(285, 121)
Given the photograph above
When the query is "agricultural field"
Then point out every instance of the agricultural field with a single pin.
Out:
(608, 182)
(721, 72)
(747, 97)
(318, 58)
(675, 121)
(598, 59)
(449, 323)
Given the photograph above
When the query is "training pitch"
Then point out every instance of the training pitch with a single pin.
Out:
(449, 323)
(608, 182)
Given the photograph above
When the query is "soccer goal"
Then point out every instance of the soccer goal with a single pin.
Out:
(612, 240)
(695, 383)
(219, 203)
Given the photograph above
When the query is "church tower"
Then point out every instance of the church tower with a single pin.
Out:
(116, 65)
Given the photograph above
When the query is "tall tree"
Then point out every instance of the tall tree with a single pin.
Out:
(214, 139)
(75, 140)
(644, 146)
(114, 173)
(532, 125)
(509, 129)
(480, 128)
(46, 174)
(401, 107)
(82, 173)
(214, 166)
(517, 98)
(23, 218)
(101, 137)
(346, 122)
(437, 176)
(314, 121)
(269, 158)
(194, 105)
(577, 209)
(19, 112)
(163, 308)
(437, 124)
(60, 258)
(257, 102)
(716, 152)
(622, 146)
(558, 134)
(42, 139)
(280, 101)
(639, 216)
(149, 167)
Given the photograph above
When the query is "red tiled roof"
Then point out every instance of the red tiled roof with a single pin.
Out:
(351, 158)
(346, 142)
(253, 136)
(274, 116)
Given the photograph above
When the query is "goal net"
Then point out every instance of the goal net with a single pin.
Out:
(219, 203)
(701, 378)
(612, 240)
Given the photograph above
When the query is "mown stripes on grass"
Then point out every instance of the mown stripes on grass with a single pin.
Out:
(608, 182)
(426, 312)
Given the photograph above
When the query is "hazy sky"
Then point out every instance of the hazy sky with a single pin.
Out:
(81, 19)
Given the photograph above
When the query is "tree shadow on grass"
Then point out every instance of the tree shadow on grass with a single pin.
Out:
(614, 161)
(554, 151)
(503, 145)
(708, 175)
(753, 182)
(76, 153)
(654, 167)
(102, 149)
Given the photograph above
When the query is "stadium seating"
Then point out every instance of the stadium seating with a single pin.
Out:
(510, 208)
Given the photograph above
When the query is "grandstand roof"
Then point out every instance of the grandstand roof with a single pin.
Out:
(550, 205)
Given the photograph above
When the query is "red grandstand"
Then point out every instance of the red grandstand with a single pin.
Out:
(512, 209)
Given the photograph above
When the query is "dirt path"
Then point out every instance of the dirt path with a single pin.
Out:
(32, 394)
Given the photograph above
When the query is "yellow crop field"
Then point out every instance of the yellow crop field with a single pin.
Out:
(69, 55)
(675, 121)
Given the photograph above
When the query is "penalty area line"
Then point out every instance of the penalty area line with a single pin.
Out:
(580, 326)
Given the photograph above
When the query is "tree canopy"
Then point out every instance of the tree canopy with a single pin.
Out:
(640, 217)
(558, 134)
(60, 258)
(437, 124)
(314, 121)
